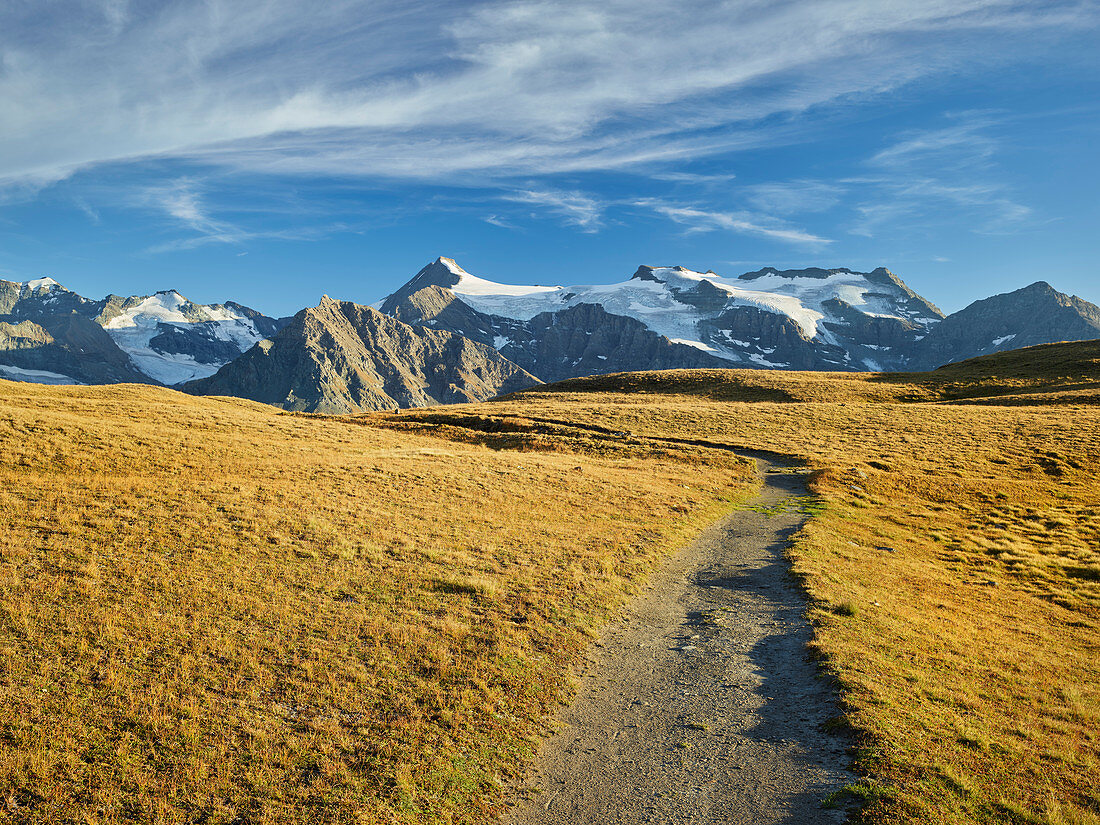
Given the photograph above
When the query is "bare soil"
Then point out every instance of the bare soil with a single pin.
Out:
(701, 705)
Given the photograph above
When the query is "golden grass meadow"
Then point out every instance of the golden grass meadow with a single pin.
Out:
(211, 611)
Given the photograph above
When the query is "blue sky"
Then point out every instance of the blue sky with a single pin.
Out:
(269, 151)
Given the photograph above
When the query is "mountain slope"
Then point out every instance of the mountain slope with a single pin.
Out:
(1036, 314)
(342, 357)
(794, 319)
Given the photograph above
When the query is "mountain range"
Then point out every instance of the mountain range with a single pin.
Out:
(449, 336)
(51, 334)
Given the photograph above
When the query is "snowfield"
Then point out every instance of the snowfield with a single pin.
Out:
(136, 326)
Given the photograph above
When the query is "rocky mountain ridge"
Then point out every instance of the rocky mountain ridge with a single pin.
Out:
(1035, 314)
(816, 319)
(342, 357)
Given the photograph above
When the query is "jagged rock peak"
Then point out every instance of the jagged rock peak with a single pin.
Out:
(442, 272)
(646, 273)
(345, 357)
(1034, 314)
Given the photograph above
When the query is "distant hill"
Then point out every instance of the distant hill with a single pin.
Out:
(341, 357)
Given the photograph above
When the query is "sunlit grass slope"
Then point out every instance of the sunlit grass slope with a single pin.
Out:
(214, 612)
(954, 571)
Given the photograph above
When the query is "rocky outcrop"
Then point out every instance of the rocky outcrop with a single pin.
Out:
(762, 338)
(587, 340)
(341, 357)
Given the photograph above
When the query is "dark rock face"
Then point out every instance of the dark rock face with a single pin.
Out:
(705, 297)
(198, 340)
(1036, 314)
(766, 338)
(583, 339)
(340, 357)
(436, 274)
(438, 308)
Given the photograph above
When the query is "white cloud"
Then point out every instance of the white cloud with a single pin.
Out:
(87, 209)
(928, 174)
(183, 201)
(703, 220)
(412, 88)
(794, 197)
(576, 208)
(694, 177)
(965, 144)
(496, 220)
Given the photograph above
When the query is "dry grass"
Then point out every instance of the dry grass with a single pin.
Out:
(213, 612)
(954, 570)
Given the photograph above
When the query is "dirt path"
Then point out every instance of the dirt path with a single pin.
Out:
(701, 706)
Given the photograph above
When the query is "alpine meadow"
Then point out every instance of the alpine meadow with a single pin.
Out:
(216, 611)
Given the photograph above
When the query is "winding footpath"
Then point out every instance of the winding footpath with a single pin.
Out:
(700, 706)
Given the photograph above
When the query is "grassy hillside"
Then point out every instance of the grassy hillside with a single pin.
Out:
(214, 612)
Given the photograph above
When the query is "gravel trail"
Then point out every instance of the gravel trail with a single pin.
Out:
(700, 706)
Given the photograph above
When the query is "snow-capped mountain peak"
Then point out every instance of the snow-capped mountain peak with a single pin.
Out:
(164, 336)
(36, 284)
(814, 318)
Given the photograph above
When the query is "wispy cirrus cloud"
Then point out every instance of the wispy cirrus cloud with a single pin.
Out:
(575, 208)
(496, 220)
(965, 144)
(926, 174)
(705, 220)
(183, 200)
(796, 197)
(413, 88)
